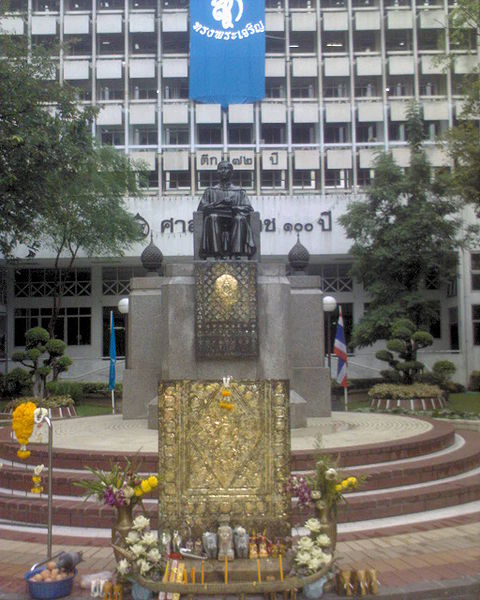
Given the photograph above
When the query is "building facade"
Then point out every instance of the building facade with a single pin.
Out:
(339, 77)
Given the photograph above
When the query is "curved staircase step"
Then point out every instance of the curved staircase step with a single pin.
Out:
(441, 436)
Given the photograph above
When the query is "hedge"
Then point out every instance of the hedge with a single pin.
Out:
(390, 391)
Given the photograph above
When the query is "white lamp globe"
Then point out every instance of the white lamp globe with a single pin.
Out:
(329, 303)
(123, 306)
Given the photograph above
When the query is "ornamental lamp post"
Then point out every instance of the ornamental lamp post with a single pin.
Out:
(329, 305)
(123, 307)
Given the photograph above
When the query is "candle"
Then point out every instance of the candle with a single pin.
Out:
(167, 569)
(193, 574)
(226, 570)
(202, 573)
(280, 566)
(185, 576)
(259, 576)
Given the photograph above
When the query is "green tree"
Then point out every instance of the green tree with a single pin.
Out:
(27, 145)
(405, 342)
(404, 236)
(43, 356)
(57, 184)
(463, 140)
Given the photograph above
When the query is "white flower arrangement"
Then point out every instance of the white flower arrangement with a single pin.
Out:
(140, 523)
(331, 474)
(313, 525)
(310, 551)
(144, 556)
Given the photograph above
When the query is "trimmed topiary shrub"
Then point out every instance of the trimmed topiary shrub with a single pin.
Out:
(405, 342)
(15, 383)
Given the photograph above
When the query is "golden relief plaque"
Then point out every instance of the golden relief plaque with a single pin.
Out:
(215, 461)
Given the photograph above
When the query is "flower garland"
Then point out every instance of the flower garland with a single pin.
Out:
(37, 479)
(22, 425)
(226, 393)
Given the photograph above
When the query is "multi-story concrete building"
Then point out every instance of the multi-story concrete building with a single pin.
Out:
(339, 77)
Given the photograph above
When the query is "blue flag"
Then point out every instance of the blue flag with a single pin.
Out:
(113, 355)
(227, 51)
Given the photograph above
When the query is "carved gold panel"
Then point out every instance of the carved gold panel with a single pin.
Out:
(226, 309)
(215, 461)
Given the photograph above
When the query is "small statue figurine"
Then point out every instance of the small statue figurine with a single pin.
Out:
(176, 541)
(166, 543)
(225, 539)
(274, 549)
(262, 547)
(209, 540)
(240, 541)
(252, 547)
(197, 547)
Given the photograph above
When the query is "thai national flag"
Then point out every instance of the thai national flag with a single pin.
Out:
(340, 350)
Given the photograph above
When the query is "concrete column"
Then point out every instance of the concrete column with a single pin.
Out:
(310, 379)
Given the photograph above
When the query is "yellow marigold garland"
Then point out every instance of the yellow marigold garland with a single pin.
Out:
(22, 425)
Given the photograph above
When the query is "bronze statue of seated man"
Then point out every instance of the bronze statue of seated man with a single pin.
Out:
(226, 225)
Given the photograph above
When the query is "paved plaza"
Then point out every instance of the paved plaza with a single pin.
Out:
(424, 555)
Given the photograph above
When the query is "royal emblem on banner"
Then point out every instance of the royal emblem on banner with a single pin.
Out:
(222, 11)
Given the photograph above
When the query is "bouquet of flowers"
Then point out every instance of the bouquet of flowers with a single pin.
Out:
(312, 550)
(120, 486)
(327, 486)
(141, 547)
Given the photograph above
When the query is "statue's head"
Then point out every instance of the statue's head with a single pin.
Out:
(225, 170)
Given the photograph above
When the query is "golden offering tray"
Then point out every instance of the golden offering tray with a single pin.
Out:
(287, 585)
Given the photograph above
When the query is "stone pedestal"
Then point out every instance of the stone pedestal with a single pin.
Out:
(161, 340)
(309, 378)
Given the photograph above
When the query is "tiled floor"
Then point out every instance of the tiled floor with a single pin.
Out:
(440, 554)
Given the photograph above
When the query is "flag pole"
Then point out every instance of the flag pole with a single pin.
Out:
(113, 360)
(345, 395)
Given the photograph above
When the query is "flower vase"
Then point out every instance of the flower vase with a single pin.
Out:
(121, 527)
(328, 523)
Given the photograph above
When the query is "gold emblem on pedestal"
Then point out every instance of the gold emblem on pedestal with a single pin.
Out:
(226, 291)
(220, 461)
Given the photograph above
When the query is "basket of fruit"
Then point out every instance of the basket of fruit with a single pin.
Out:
(49, 582)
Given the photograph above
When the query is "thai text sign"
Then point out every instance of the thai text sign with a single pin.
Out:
(227, 51)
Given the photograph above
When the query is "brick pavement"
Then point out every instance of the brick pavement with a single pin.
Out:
(413, 564)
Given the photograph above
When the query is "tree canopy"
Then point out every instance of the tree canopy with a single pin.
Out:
(405, 237)
(463, 140)
(57, 184)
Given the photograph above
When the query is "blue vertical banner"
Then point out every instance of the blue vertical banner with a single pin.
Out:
(113, 355)
(227, 51)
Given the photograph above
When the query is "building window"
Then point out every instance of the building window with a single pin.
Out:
(242, 179)
(303, 134)
(112, 136)
(177, 180)
(453, 328)
(116, 280)
(476, 324)
(240, 134)
(175, 89)
(475, 269)
(272, 134)
(209, 134)
(273, 180)
(336, 278)
(37, 283)
(176, 136)
(435, 324)
(119, 326)
(304, 179)
(145, 136)
(73, 325)
(143, 89)
(274, 87)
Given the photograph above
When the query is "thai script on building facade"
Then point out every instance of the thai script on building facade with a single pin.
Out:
(268, 225)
